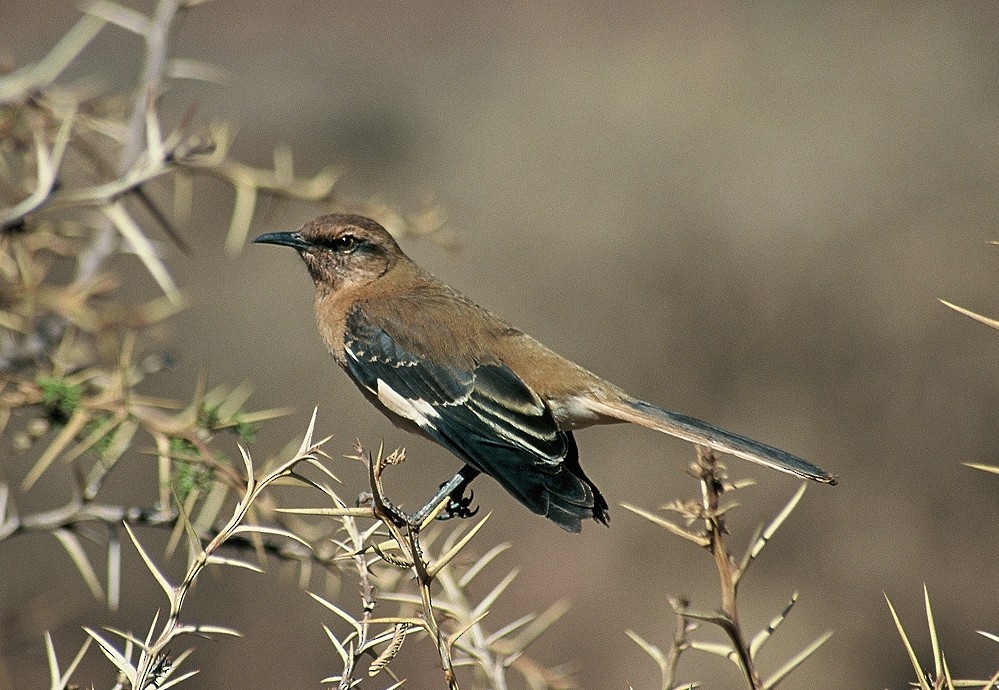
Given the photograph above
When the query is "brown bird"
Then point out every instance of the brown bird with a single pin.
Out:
(441, 366)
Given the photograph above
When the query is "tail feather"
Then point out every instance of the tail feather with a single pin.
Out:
(696, 431)
(560, 491)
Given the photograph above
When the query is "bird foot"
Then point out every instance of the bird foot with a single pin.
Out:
(459, 507)
(458, 504)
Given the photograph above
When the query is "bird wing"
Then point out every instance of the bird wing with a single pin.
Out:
(480, 411)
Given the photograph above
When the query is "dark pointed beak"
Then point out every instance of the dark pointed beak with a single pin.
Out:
(286, 239)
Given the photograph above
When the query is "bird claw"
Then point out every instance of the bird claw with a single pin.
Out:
(459, 507)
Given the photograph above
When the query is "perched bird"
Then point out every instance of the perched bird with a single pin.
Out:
(439, 365)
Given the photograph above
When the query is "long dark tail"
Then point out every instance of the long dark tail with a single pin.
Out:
(696, 431)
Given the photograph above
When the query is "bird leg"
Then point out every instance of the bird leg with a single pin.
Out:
(454, 490)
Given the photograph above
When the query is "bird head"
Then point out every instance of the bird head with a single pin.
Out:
(341, 250)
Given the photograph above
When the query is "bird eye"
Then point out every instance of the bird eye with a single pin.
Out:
(345, 244)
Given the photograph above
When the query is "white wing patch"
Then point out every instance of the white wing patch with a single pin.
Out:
(416, 410)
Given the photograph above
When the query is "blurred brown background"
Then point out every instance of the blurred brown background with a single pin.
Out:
(743, 212)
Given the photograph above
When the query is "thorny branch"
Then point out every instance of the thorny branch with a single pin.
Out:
(710, 510)
(712, 476)
(429, 584)
(151, 84)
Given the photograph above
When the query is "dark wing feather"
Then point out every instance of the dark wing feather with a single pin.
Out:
(483, 413)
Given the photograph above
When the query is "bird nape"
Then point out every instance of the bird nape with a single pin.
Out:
(443, 367)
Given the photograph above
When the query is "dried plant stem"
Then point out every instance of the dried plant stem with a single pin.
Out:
(154, 663)
(415, 567)
(711, 476)
(408, 537)
(151, 83)
(709, 510)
